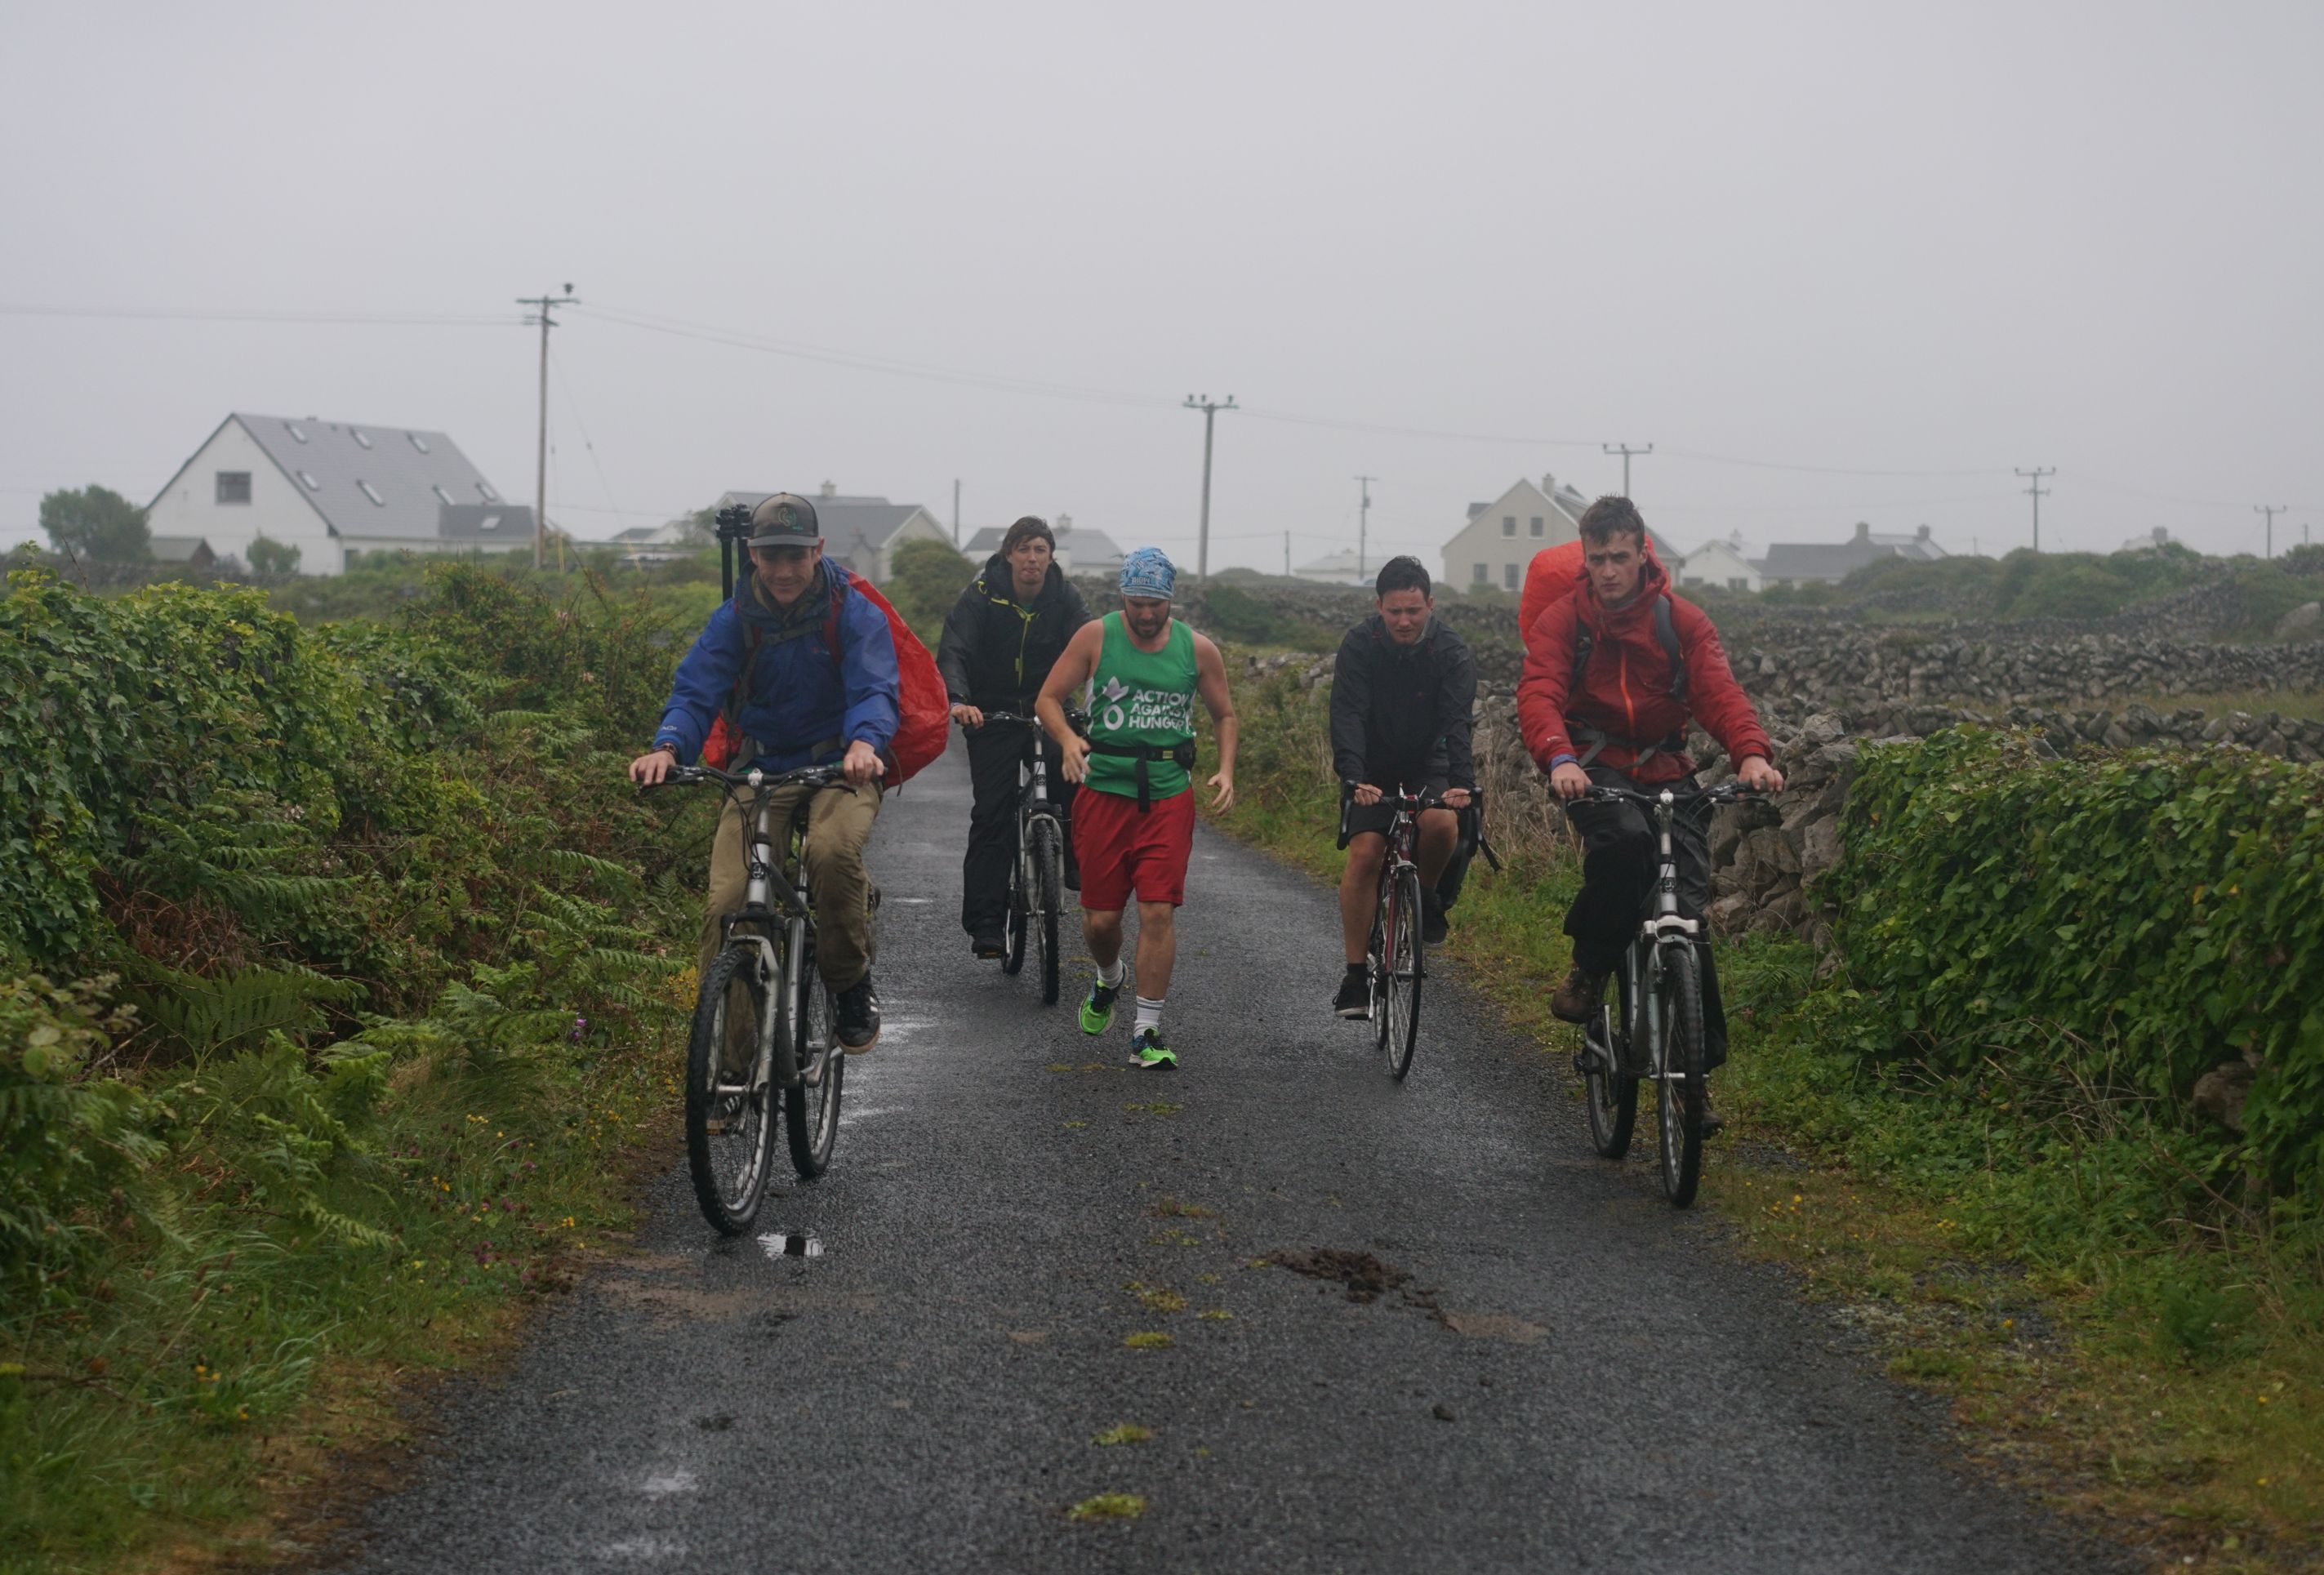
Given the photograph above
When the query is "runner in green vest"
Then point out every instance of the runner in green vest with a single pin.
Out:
(1134, 827)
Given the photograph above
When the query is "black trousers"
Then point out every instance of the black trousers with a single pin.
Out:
(992, 756)
(1620, 858)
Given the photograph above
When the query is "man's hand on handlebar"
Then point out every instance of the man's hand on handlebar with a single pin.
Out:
(1568, 780)
(1366, 794)
(1455, 798)
(649, 770)
(968, 716)
(862, 764)
(1756, 773)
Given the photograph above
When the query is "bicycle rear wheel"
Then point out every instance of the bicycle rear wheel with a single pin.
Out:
(729, 1127)
(811, 1110)
(1400, 955)
(1613, 1097)
(1012, 945)
(1048, 886)
(1678, 1097)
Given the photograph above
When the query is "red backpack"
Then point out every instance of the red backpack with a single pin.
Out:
(923, 707)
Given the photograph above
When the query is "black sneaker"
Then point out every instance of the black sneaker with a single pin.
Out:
(859, 1017)
(1432, 928)
(985, 946)
(1355, 998)
(1712, 1121)
(1073, 870)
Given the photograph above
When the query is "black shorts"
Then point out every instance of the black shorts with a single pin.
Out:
(1357, 818)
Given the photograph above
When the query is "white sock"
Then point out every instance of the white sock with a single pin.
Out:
(1149, 1016)
(1111, 974)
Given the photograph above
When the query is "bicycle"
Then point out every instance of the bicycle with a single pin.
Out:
(1395, 957)
(1037, 878)
(1653, 1030)
(765, 966)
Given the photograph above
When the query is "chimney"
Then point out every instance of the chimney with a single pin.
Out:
(1548, 485)
(1863, 530)
(2162, 537)
(1925, 532)
(1065, 523)
(829, 491)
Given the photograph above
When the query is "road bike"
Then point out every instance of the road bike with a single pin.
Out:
(1037, 875)
(1394, 956)
(1652, 1029)
(764, 972)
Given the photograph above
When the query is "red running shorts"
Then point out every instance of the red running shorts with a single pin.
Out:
(1122, 851)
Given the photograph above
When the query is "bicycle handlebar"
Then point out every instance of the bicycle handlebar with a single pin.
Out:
(1410, 800)
(1725, 793)
(799, 777)
(1078, 720)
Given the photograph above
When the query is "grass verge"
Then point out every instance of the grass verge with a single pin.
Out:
(2157, 1378)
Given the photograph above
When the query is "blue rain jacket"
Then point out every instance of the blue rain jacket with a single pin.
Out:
(798, 696)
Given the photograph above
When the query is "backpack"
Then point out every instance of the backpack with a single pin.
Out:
(923, 710)
(1665, 635)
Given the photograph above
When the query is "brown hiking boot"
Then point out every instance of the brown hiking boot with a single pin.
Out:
(1576, 1001)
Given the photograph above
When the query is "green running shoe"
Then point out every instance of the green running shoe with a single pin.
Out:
(1148, 1050)
(1097, 1011)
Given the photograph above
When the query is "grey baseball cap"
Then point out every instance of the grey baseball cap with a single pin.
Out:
(785, 518)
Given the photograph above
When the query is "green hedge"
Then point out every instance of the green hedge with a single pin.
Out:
(2127, 921)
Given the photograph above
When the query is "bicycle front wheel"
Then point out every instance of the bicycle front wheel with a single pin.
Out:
(811, 1110)
(1012, 945)
(729, 1127)
(1049, 884)
(1613, 1097)
(1400, 960)
(1679, 1096)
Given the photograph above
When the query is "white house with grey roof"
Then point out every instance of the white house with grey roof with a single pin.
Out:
(862, 532)
(1802, 563)
(333, 489)
(1493, 550)
(1080, 550)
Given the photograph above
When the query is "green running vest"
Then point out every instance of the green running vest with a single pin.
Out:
(1141, 698)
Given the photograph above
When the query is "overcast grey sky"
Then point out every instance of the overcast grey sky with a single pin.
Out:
(1923, 244)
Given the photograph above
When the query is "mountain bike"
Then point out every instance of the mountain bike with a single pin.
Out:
(765, 972)
(1652, 1029)
(1394, 958)
(1037, 878)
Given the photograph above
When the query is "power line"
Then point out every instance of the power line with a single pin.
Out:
(566, 383)
(1210, 409)
(1625, 451)
(165, 315)
(2037, 473)
(545, 308)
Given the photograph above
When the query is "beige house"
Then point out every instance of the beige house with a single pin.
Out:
(1492, 550)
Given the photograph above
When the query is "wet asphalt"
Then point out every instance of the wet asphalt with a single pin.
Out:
(1573, 1377)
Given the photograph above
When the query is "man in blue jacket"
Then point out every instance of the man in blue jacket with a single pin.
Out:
(803, 703)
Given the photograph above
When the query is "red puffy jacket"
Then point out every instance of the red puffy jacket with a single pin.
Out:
(1625, 687)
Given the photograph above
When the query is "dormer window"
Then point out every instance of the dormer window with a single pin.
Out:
(360, 436)
(418, 441)
(372, 493)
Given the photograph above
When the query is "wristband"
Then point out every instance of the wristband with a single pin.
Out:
(1557, 760)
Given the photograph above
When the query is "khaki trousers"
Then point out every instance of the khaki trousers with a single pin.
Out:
(838, 823)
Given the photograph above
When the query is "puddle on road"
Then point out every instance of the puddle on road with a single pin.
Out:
(645, 1548)
(781, 1245)
(663, 1484)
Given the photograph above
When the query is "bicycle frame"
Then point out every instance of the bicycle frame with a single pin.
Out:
(1664, 927)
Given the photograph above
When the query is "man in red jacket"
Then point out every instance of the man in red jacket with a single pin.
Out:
(1614, 670)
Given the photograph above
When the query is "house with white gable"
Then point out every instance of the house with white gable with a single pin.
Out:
(1492, 550)
(334, 490)
(1080, 550)
(1731, 563)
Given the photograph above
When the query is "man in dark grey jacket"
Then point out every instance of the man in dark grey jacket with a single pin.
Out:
(1402, 693)
(999, 642)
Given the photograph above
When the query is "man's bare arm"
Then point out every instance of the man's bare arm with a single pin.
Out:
(1074, 666)
(1211, 683)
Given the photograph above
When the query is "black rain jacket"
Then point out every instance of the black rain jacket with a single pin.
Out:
(1403, 710)
(995, 655)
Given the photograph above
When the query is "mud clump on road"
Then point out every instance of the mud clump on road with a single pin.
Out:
(1366, 1277)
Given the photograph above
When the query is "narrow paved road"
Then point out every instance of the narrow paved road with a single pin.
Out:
(1573, 1377)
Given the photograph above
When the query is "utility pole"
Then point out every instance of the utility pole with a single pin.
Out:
(2271, 510)
(955, 513)
(2036, 473)
(545, 306)
(1625, 451)
(1210, 409)
(1363, 525)
(1286, 555)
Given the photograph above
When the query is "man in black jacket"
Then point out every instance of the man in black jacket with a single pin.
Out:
(1001, 639)
(1402, 692)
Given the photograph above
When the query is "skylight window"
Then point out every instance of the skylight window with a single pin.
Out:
(298, 432)
(360, 436)
(441, 495)
(490, 522)
(420, 444)
(312, 485)
(372, 493)
(485, 491)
